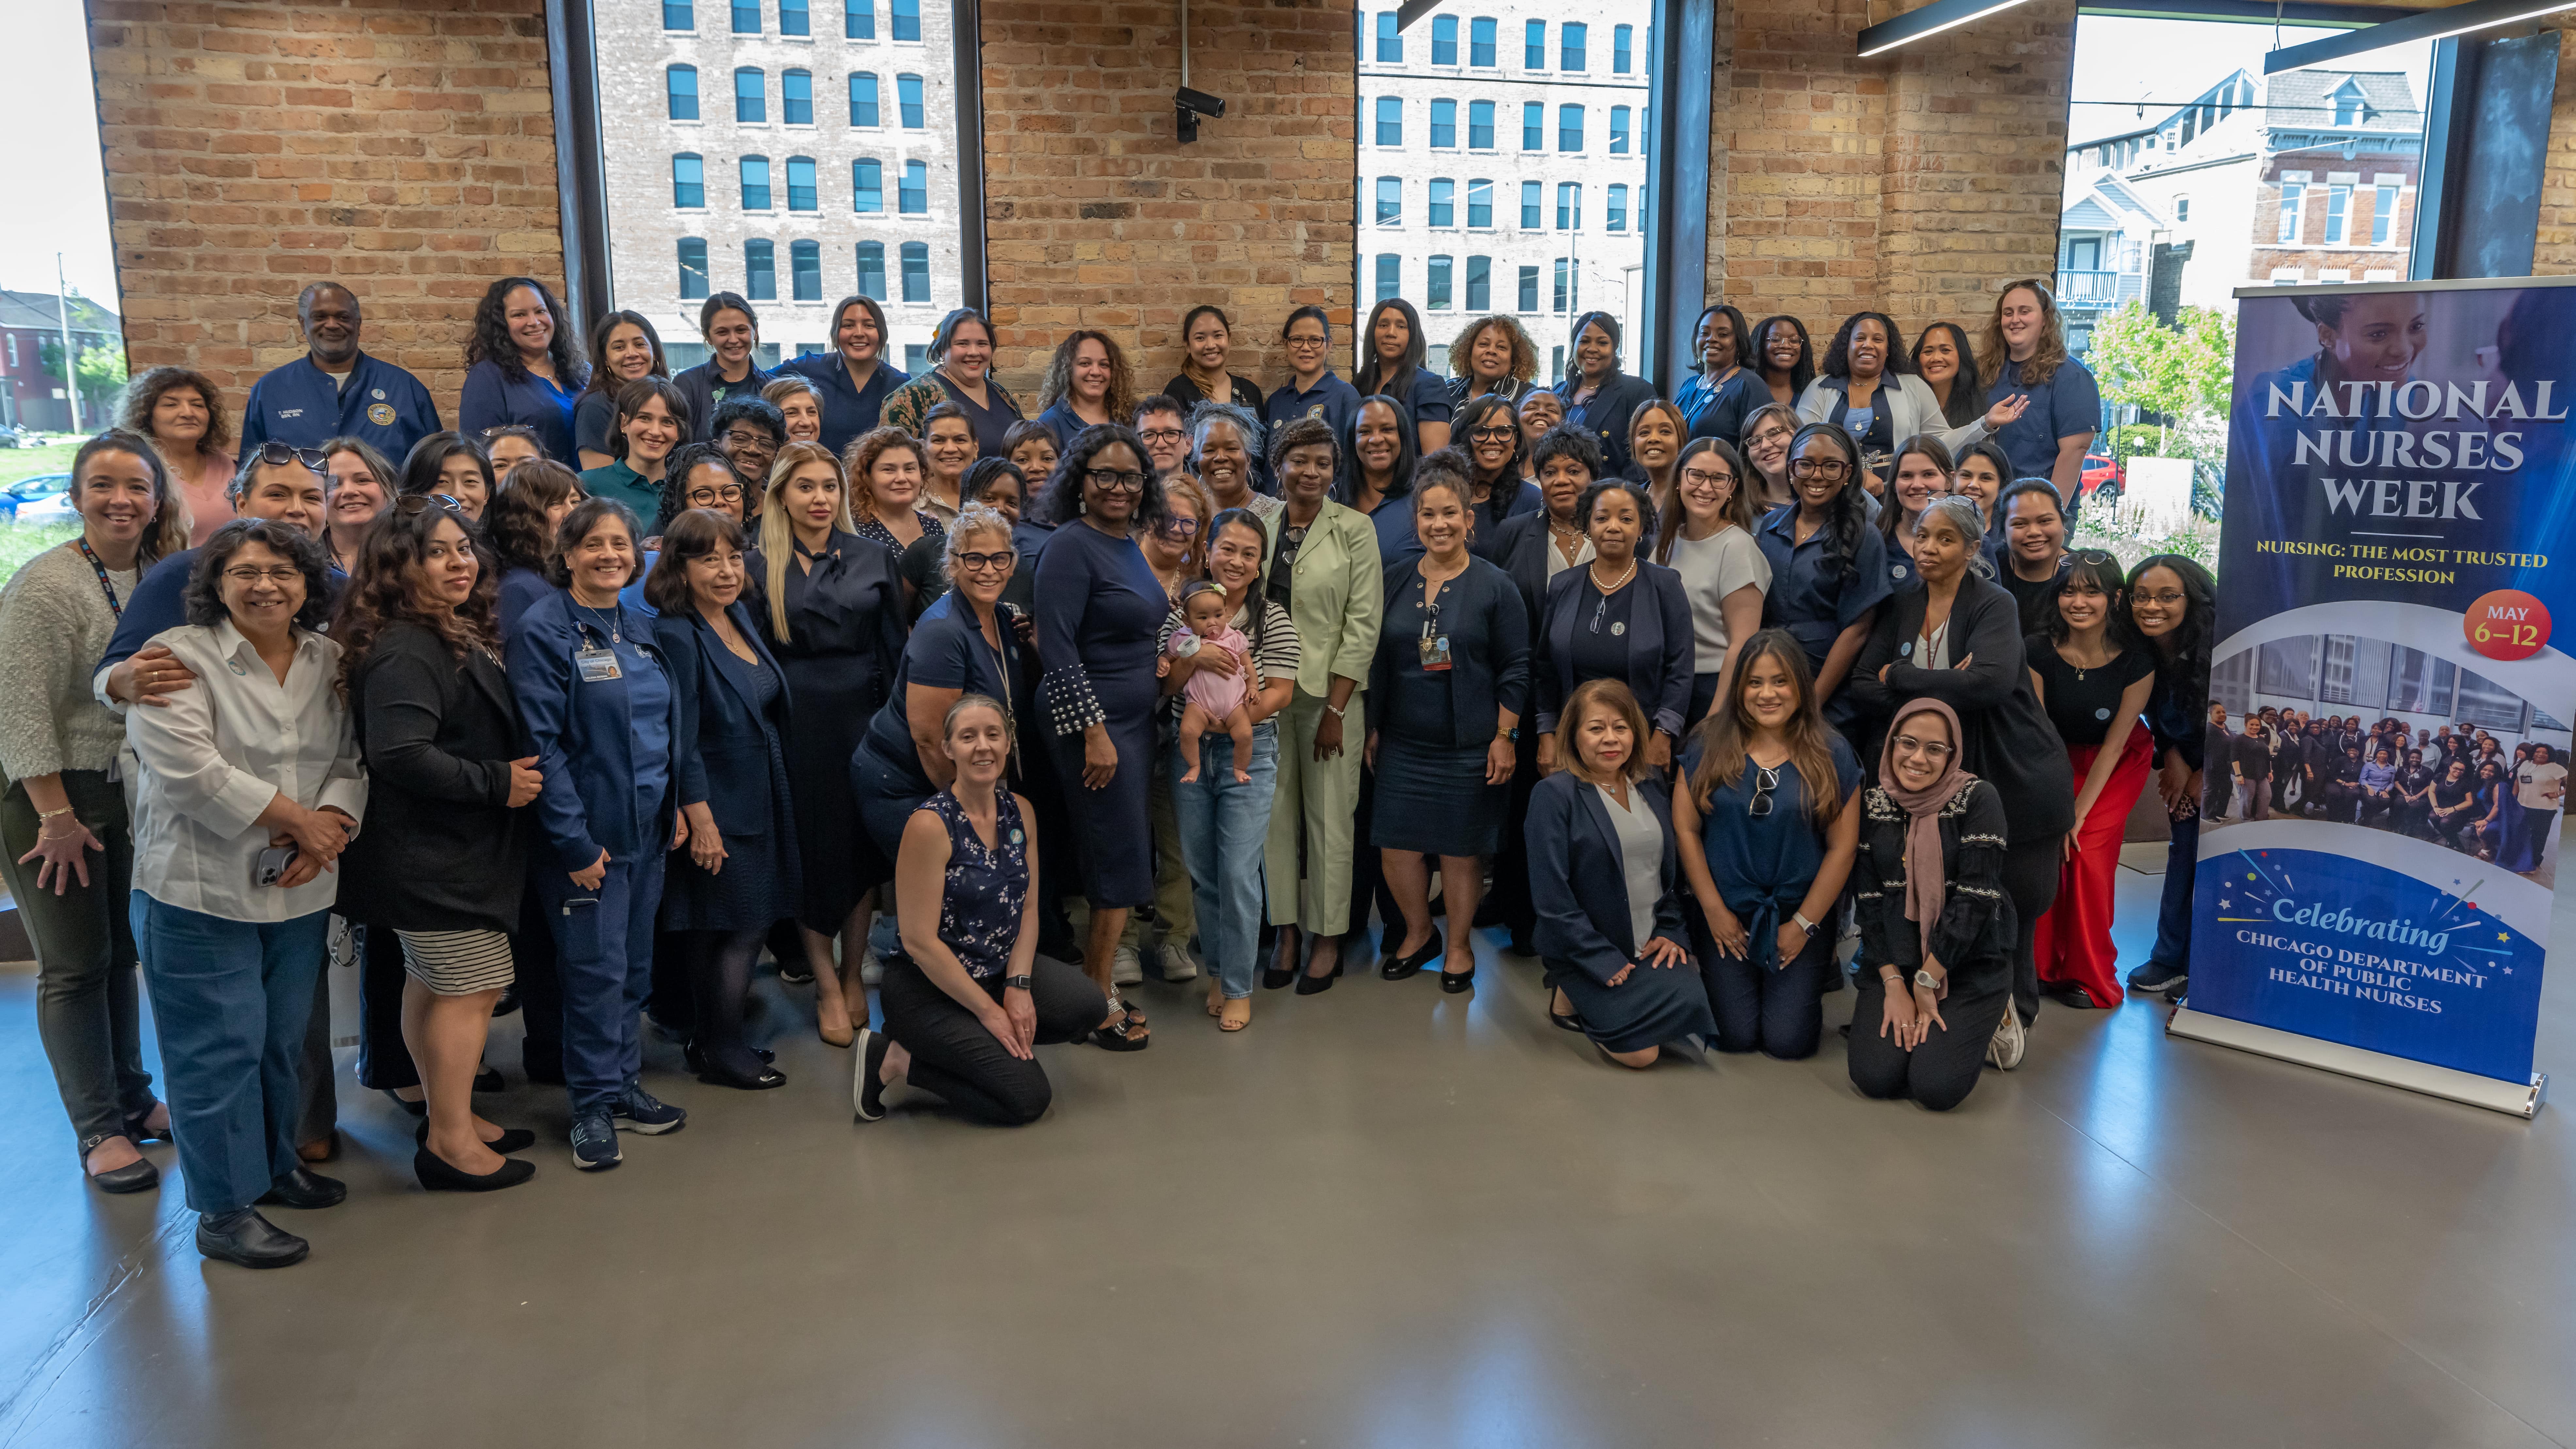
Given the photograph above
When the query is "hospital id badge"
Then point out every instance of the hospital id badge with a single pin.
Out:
(597, 665)
(1435, 653)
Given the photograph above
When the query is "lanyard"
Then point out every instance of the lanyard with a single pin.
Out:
(610, 622)
(104, 586)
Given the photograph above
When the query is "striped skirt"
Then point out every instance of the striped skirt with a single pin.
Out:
(457, 963)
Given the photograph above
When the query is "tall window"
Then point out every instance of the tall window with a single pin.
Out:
(1480, 125)
(1480, 41)
(1569, 45)
(1390, 121)
(1441, 207)
(1569, 128)
(2293, 197)
(1435, 285)
(915, 198)
(1480, 283)
(1618, 130)
(1480, 204)
(1533, 126)
(750, 96)
(1390, 276)
(679, 15)
(2338, 215)
(863, 100)
(1614, 214)
(1444, 125)
(1620, 36)
(746, 17)
(794, 18)
(805, 270)
(796, 97)
(1569, 206)
(1527, 300)
(867, 186)
(1531, 200)
(755, 183)
(760, 270)
(1561, 297)
(1444, 40)
(859, 21)
(872, 270)
(680, 83)
(1390, 41)
(2383, 214)
(693, 267)
(907, 96)
(802, 195)
(1390, 200)
(916, 271)
(907, 19)
(688, 180)
(1534, 45)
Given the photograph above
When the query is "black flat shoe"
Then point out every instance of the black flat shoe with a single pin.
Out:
(867, 1089)
(767, 1078)
(1457, 983)
(417, 1109)
(1397, 968)
(512, 1139)
(243, 1236)
(305, 1188)
(137, 1176)
(696, 1058)
(437, 1175)
(138, 1133)
(490, 1080)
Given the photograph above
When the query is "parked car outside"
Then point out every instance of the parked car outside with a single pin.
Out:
(2101, 478)
(44, 498)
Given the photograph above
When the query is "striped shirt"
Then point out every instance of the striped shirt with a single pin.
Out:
(1274, 649)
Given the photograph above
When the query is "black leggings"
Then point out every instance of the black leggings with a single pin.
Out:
(1941, 1072)
(954, 1056)
(718, 970)
(2030, 874)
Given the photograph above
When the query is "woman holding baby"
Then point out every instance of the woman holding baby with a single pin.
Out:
(1448, 689)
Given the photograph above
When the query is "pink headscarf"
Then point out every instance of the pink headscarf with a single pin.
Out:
(1926, 882)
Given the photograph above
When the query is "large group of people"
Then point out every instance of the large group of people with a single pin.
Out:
(1710, 704)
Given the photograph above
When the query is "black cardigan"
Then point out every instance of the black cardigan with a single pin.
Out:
(442, 849)
(2009, 739)
(1487, 626)
(1975, 936)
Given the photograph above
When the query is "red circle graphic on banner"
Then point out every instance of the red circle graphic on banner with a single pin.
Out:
(2507, 624)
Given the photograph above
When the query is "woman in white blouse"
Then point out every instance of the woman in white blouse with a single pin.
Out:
(248, 788)
(1706, 534)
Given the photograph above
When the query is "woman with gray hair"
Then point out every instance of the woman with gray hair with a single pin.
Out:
(1225, 447)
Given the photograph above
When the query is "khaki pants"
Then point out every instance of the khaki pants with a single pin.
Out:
(1317, 799)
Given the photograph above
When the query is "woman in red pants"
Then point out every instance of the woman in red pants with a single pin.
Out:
(2093, 679)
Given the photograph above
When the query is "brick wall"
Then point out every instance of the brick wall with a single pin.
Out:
(2553, 252)
(403, 150)
(1097, 216)
(1912, 183)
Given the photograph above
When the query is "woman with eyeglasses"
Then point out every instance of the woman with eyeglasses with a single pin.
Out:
(1829, 569)
(830, 606)
(1723, 390)
(886, 471)
(1706, 536)
(66, 842)
(1207, 339)
(1378, 473)
(2034, 548)
(948, 449)
(731, 331)
(698, 476)
(1175, 551)
(1324, 567)
(1767, 813)
(1936, 922)
(1394, 369)
(749, 431)
(997, 485)
(1491, 357)
(1921, 473)
(1621, 617)
(624, 349)
(1312, 389)
(1768, 431)
(2172, 606)
(1498, 482)
(798, 403)
(1599, 398)
(1955, 640)
(652, 420)
(520, 367)
(1099, 609)
(2093, 678)
(361, 484)
(449, 464)
(1783, 357)
(1451, 683)
(182, 412)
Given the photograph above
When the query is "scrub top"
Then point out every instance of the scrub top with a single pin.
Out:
(379, 404)
(1333, 400)
(1808, 596)
(848, 409)
(628, 487)
(2067, 404)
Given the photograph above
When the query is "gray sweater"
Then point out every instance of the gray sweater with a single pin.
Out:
(54, 625)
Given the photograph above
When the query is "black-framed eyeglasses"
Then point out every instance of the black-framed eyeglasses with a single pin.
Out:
(274, 452)
(411, 504)
(740, 439)
(1306, 341)
(979, 562)
(1109, 480)
(1765, 780)
(1180, 528)
(252, 574)
(1705, 478)
(1162, 435)
(1820, 468)
(729, 493)
(1500, 433)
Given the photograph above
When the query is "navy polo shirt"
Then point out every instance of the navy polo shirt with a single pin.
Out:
(1333, 400)
(848, 409)
(2067, 404)
(1808, 596)
(1426, 395)
(301, 405)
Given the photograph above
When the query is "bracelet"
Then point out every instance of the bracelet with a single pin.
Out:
(44, 834)
(53, 814)
(1335, 713)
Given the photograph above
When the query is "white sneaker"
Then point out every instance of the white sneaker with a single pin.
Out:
(2005, 1049)
(1125, 968)
(871, 970)
(1177, 965)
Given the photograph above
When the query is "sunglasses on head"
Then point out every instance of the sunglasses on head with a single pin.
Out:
(412, 504)
(273, 453)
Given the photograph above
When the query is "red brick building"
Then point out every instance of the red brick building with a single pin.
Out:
(31, 329)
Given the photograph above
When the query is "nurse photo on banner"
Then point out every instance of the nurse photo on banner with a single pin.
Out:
(2398, 482)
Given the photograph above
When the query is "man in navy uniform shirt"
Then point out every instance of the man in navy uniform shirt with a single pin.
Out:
(336, 391)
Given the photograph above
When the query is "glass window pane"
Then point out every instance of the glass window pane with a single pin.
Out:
(1390, 121)
(746, 17)
(907, 93)
(682, 84)
(867, 186)
(2485, 704)
(806, 260)
(1390, 200)
(1534, 45)
(1444, 40)
(2420, 683)
(1533, 126)
(679, 15)
(1435, 285)
(693, 267)
(907, 19)
(915, 200)
(750, 96)
(1530, 220)
(1528, 299)
(859, 21)
(1569, 128)
(1569, 47)
(1444, 123)
(793, 18)
(1390, 275)
(1440, 207)
(1619, 57)
(760, 270)
(1480, 41)
(1480, 283)
(1614, 216)
(916, 272)
(863, 100)
(1390, 41)
(2288, 667)
(1480, 203)
(802, 193)
(1618, 130)
(1480, 125)
(755, 183)
(796, 97)
(688, 181)
(872, 270)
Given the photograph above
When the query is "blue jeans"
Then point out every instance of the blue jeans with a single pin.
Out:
(1225, 828)
(604, 942)
(231, 1000)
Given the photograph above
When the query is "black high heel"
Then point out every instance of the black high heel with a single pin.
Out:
(417, 1109)
(490, 1080)
(137, 1130)
(1569, 1021)
(1453, 983)
(1397, 968)
(1274, 976)
(1309, 984)
(437, 1175)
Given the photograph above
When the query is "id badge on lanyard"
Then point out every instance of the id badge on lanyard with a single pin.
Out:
(598, 664)
(1435, 650)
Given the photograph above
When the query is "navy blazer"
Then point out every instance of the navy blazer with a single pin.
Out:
(1606, 415)
(1518, 547)
(1579, 881)
(585, 738)
(1488, 632)
(1659, 646)
(728, 755)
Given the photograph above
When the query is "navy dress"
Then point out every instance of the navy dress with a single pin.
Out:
(1099, 610)
(731, 755)
(845, 622)
(947, 650)
(1434, 725)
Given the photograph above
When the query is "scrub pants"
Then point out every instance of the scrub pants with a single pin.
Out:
(1222, 828)
(2074, 937)
(1941, 1072)
(604, 944)
(232, 1001)
(1309, 853)
(1777, 1010)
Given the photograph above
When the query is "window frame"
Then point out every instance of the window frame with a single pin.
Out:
(758, 98)
(759, 262)
(679, 200)
(1387, 119)
(706, 278)
(912, 113)
(1574, 47)
(787, 101)
(734, 13)
(813, 185)
(1534, 45)
(876, 100)
(1386, 202)
(1432, 125)
(1480, 185)
(803, 10)
(1451, 24)
(859, 20)
(1490, 47)
(1438, 279)
(858, 190)
(671, 94)
(802, 253)
(1489, 127)
(1476, 291)
(906, 256)
(905, 191)
(1440, 194)
(743, 184)
(895, 17)
(859, 284)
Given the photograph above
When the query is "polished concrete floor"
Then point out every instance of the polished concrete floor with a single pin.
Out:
(1381, 1217)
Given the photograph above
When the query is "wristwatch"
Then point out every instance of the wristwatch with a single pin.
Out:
(1926, 980)
(1021, 982)
(1804, 924)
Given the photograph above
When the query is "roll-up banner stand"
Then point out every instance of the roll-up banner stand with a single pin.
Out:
(2399, 536)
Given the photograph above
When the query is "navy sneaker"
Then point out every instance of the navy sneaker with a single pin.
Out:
(639, 1111)
(594, 1142)
(2162, 978)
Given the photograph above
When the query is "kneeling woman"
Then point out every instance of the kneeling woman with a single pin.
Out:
(967, 1002)
(1602, 867)
(1934, 916)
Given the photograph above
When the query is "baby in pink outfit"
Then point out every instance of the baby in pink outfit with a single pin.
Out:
(1211, 699)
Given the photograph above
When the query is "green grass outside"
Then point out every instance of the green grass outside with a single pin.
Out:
(17, 463)
(21, 542)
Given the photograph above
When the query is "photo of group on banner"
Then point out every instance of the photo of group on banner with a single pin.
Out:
(2459, 760)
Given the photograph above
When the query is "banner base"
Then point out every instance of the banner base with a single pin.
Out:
(2414, 1076)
